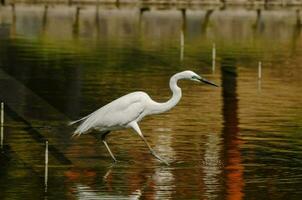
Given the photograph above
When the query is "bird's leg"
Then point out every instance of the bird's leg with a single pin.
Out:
(106, 145)
(135, 126)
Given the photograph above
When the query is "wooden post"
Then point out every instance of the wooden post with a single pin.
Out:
(44, 19)
(117, 4)
(298, 19)
(76, 23)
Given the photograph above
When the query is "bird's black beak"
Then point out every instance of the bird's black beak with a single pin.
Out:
(203, 80)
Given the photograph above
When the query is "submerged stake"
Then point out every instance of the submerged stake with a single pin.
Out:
(2, 122)
(2, 113)
(1, 140)
(182, 44)
(213, 57)
(259, 69)
(214, 52)
(46, 166)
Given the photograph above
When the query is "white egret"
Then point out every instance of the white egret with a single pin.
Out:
(127, 111)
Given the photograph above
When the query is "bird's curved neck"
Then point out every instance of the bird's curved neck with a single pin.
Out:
(176, 96)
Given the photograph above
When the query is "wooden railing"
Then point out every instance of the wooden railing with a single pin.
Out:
(164, 2)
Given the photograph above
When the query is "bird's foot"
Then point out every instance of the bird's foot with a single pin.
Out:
(114, 159)
(159, 158)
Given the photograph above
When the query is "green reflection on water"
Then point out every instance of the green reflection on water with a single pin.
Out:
(77, 60)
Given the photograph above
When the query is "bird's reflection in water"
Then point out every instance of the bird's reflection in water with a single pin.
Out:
(85, 184)
(212, 165)
(163, 177)
(86, 192)
(94, 184)
(108, 173)
(164, 183)
(164, 144)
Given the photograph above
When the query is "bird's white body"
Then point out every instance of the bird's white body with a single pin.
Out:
(132, 107)
(128, 110)
(118, 113)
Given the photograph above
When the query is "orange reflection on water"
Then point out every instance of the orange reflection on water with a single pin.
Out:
(234, 180)
(234, 176)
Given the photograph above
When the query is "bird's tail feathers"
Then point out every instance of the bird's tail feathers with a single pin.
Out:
(83, 128)
(77, 121)
(75, 134)
(80, 129)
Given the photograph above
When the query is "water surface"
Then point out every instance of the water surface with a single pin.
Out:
(241, 140)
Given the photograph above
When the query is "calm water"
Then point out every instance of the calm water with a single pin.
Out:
(240, 141)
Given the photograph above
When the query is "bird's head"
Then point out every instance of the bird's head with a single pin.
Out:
(190, 75)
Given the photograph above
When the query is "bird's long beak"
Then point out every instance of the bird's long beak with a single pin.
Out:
(207, 82)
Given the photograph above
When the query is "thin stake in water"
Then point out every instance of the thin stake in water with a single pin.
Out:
(182, 44)
(46, 166)
(2, 113)
(259, 69)
(259, 75)
(2, 124)
(1, 130)
(213, 57)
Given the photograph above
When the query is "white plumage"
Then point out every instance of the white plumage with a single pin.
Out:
(116, 114)
(128, 110)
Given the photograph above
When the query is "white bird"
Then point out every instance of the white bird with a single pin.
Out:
(128, 110)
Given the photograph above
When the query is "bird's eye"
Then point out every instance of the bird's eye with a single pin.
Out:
(194, 77)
